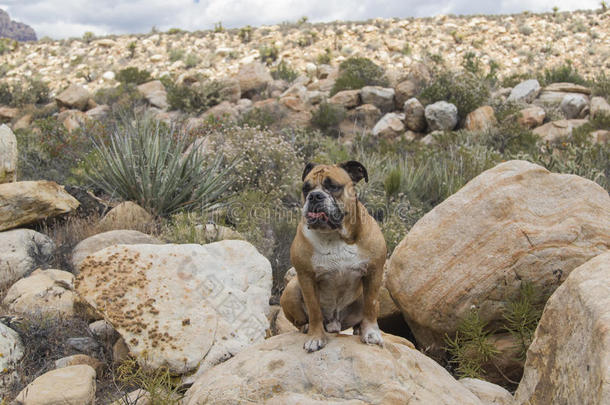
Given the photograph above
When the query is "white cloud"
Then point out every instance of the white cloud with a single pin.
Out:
(64, 18)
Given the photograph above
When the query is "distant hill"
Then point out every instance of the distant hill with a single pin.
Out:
(15, 30)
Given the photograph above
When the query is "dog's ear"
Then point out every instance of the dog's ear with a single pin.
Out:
(307, 169)
(356, 170)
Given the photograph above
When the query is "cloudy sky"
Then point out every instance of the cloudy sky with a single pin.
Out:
(71, 18)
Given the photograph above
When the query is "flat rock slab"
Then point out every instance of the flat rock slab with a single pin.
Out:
(25, 202)
(73, 385)
(181, 306)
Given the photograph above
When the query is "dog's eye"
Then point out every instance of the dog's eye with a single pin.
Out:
(334, 188)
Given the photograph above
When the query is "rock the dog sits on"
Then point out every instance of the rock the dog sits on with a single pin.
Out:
(338, 253)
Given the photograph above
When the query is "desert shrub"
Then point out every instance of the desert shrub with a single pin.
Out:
(19, 94)
(8, 45)
(245, 34)
(193, 98)
(143, 161)
(88, 36)
(327, 118)
(133, 75)
(324, 58)
(268, 53)
(124, 95)
(522, 315)
(191, 60)
(132, 49)
(514, 79)
(176, 54)
(159, 384)
(601, 85)
(48, 151)
(256, 117)
(465, 90)
(283, 71)
(563, 73)
(355, 73)
(471, 347)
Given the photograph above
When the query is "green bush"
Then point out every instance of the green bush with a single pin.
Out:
(191, 60)
(32, 91)
(257, 118)
(283, 71)
(324, 58)
(355, 73)
(471, 347)
(144, 162)
(123, 95)
(465, 90)
(327, 118)
(133, 75)
(564, 73)
(8, 45)
(268, 54)
(245, 34)
(194, 98)
(601, 85)
(176, 54)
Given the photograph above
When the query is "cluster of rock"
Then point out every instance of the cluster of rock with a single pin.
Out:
(519, 42)
(202, 311)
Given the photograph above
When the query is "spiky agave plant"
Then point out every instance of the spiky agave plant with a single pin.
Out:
(143, 161)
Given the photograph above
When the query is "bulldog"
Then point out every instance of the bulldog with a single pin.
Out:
(338, 253)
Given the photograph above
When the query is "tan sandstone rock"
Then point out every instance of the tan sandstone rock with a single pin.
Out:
(105, 239)
(75, 96)
(74, 385)
(47, 292)
(25, 202)
(480, 119)
(531, 117)
(253, 77)
(155, 94)
(488, 393)
(181, 306)
(568, 361)
(513, 223)
(126, 215)
(11, 352)
(279, 371)
(556, 130)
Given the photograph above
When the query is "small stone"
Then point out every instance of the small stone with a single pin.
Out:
(389, 126)
(574, 106)
(415, 116)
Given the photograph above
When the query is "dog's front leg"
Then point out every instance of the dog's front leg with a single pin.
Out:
(316, 336)
(371, 283)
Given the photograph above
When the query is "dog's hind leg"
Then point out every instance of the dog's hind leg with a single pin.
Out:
(293, 305)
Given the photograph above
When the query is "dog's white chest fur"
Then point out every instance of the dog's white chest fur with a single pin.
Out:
(339, 269)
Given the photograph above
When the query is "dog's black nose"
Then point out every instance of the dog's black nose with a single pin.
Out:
(315, 196)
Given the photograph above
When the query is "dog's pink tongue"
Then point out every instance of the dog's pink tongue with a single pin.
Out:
(317, 215)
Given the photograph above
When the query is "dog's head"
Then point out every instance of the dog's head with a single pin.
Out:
(329, 193)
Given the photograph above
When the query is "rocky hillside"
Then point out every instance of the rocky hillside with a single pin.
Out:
(15, 30)
(511, 44)
(150, 188)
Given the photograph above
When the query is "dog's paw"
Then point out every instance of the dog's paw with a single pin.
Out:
(371, 335)
(315, 343)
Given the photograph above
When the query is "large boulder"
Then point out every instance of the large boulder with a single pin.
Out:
(154, 92)
(181, 306)
(103, 240)
(404, 91)
(346, 371)
(441, 116)
(557, 130)
(524, 92)
(488, 393)
(516, 222)
(11, 352)
(8, 155)
(23, 250)
(554, 93)
(389, 126)
(531, 117)
(480, 119)
(346, 98)
(253, 78)
(380, 97)
(74, 385)
(25, 202)
(415, 118)
(75, 96)
(568, 361)
(126, 215)
(599, 107)
(48, 292)
(575, 106)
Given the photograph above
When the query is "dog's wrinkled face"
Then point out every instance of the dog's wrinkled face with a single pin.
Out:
(329, 193)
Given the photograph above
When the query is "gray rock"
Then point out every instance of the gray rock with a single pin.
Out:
(74, 96)
(441, 116)
(415, 117)
(389, 126)
(380, 97)
(155, 94)
(103, 330)
(98, 112)
(599, 106)
(525, 92)
(21, 251)
(405, 91)
(12, 352)
(574, 105)
(8, 155)
(83, 344)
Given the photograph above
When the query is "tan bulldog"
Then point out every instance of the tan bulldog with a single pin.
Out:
(338, 253)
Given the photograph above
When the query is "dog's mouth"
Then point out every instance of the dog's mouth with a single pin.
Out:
(317, 218)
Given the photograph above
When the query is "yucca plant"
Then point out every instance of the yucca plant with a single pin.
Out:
(143, 161)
